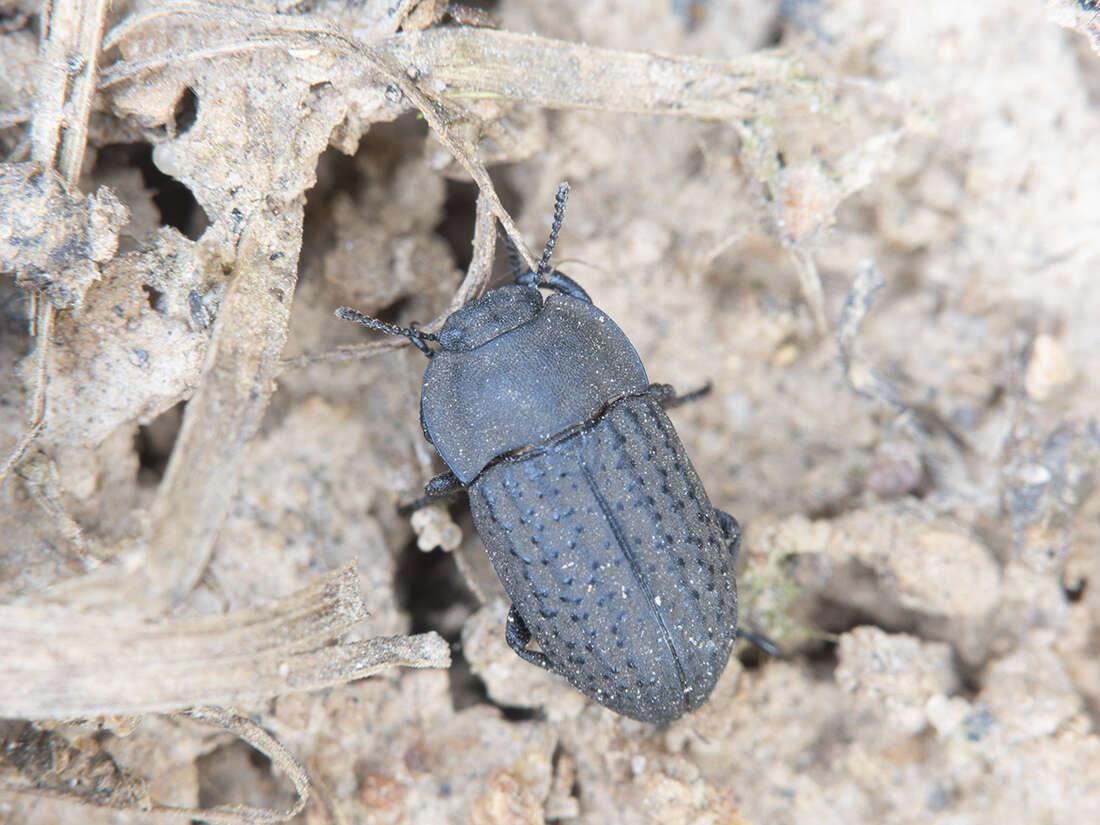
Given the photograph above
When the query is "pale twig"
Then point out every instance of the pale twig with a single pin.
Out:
(44, 762)
(41, 323)
(65, 662)
(248, 731)
(59, 132)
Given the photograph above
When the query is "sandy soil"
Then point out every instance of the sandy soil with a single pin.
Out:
(879, 245)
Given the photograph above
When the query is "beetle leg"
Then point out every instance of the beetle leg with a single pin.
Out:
(561, 282)
(731, 530)
(555, 280)
(440, 488)
(518, 636)
(762, 642)
(514, 262)
(666, 395)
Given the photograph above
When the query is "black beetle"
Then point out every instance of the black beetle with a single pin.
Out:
(592, 514)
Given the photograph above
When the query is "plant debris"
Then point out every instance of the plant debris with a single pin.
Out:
(872, 232)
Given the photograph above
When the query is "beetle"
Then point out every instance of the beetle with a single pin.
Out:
(603, 536)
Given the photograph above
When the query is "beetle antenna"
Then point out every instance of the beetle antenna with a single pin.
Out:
(555, 227)
(419, 338)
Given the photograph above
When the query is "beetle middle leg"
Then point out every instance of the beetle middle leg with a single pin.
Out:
(518, 636)
(666, 395)
(440, 488)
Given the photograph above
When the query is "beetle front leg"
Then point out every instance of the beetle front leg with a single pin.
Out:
(518, 636)
(440, 488)
(666, 395)
(557, 281)
(732, 531)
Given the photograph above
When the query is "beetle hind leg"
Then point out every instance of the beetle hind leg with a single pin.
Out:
(762, 642)
(731, 530)
(519, 636)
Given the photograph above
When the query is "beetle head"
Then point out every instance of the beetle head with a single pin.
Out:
(489, 317)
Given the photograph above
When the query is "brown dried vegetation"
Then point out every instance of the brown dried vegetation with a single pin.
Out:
(878, 243)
